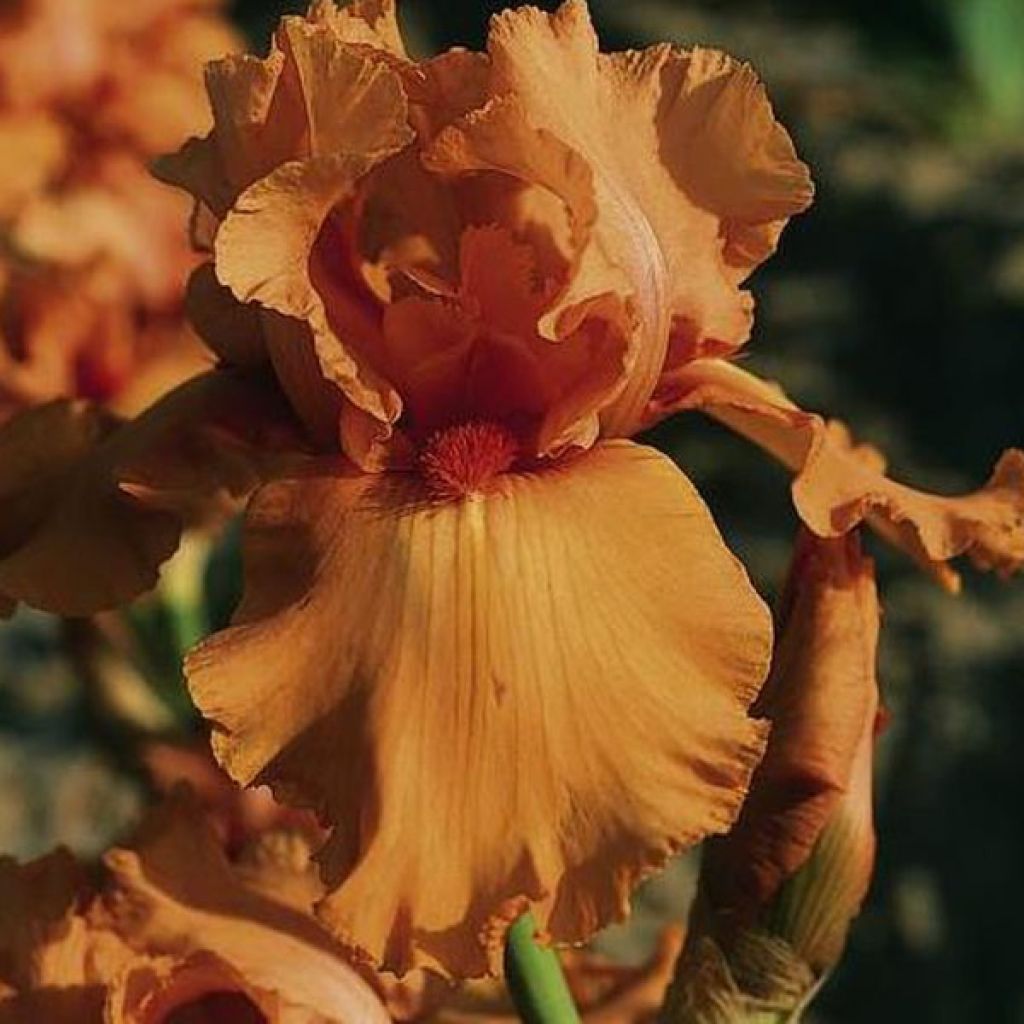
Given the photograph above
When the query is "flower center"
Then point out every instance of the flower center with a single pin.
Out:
(459, 461)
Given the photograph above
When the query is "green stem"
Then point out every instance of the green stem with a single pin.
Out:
(535, 979)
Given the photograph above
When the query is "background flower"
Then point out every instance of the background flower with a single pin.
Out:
(94, 258)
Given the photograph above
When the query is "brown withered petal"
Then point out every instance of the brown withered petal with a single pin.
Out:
(557, 669)
(838, 484)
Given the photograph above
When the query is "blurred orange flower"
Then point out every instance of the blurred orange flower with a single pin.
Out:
(178, 933)
(500, 649)
(94, 253)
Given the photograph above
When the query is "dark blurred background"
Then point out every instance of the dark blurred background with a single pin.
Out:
(896, 303)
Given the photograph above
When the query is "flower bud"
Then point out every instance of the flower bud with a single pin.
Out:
(778, 893)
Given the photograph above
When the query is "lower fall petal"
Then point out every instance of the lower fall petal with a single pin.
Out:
(839, 484)
(529, 697)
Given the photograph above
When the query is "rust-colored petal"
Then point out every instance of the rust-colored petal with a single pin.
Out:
(90, 508)
(269, 249)
(174, 892)
(707, 173)
(821, 698)
(313, 95)
(839, 484)
(480, 354)
(557, 669)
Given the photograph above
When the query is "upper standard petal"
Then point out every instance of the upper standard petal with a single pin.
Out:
(706, 169)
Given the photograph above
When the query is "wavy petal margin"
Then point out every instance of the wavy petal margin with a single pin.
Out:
(175, 892)
(532, 698)
(695, 199)
(839, 485)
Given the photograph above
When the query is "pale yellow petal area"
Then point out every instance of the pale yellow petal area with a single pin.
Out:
(655, 127)
(90, 507)
(532, 696)
(822, 699)
(174, 892)
(839, 484)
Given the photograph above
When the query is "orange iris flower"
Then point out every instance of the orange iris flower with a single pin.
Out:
(499, 647)
(94, 259)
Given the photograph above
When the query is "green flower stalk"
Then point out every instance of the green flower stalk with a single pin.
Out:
(535, 979)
